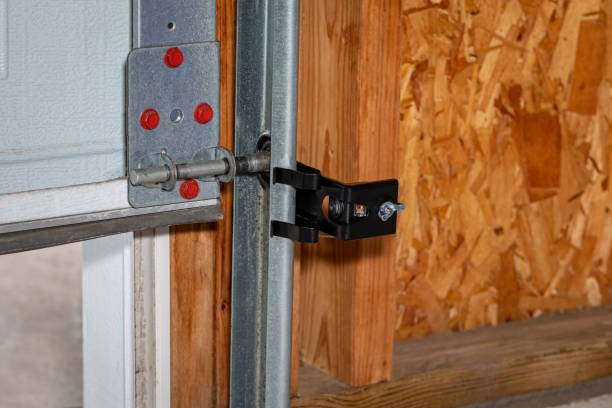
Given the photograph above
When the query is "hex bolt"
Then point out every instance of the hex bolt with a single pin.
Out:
(173, 57)
(388, 208)
(149, 119)
(189, 189)
(203, 113)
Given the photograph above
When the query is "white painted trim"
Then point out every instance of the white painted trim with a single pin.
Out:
(108, 322)
(64, 201)
(92, 201)
(109, 360)
(152, 319)
(162, 318)
(129, 330)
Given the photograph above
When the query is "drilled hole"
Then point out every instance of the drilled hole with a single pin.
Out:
(176, 116)
(325, 207)
(171, 25)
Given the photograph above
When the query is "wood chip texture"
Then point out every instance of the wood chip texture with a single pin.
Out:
(505, 155)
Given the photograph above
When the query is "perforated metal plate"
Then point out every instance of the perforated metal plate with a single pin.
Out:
(153, 85)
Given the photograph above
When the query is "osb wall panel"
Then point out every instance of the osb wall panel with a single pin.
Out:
(505, 161)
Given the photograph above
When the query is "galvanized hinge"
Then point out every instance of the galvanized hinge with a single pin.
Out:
(173, 83)
(172, 119)
(173, 127)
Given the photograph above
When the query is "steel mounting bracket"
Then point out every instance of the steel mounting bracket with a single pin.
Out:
(344, 211)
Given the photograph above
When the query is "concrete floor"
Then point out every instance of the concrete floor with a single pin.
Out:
(593, 394)
(604, 401)
(40, 338)
(40, 328)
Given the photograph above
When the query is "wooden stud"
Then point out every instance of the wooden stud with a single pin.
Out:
(348, 127)
(201, 271)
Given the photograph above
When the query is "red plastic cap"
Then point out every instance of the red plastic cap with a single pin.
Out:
(189, 189)
(174, 57)
(149, 119)
(203, 113)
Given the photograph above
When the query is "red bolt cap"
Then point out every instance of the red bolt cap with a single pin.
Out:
(203, 113)
(173, 58)
(189, 189)
(149, 119)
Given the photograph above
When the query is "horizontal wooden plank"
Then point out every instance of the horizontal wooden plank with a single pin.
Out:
(481, 365)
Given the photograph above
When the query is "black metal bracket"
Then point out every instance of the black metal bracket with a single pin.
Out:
(344, 211)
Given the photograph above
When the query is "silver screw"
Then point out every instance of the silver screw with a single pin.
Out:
(387, 209)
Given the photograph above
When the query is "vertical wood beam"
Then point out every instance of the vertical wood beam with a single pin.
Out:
(295, 324)
(201, 271)
(348, 126)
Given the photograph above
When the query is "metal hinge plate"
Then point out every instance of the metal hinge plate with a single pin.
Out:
(172, 115)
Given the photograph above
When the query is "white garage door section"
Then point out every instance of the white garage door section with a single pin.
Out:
(62, 86)
(62, 125)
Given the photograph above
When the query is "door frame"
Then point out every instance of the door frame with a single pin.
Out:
(126, 320)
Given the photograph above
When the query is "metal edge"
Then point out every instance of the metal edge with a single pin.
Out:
(262, 276)
(284, 32)
(251, 218)
(45, 237)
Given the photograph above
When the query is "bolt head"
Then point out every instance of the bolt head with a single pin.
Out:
(173, 57)
(203, 113)
(149, 119)
(189, 189)
(388, 208)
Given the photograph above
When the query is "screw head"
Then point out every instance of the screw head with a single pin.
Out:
(174, 57)
(203, 113)
(388, 208)
(189, 189)
(149, 119)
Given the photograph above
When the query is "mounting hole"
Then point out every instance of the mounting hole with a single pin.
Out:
(325, 207)
(264, 142)
(171, 25)
(264, 145)
(176, 116)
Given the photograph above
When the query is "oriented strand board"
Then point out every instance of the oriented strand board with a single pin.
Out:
(505, 161)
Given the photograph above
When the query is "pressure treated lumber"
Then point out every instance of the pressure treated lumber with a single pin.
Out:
(200, 271)
(486, 364)
(347, 127)
(506, 147)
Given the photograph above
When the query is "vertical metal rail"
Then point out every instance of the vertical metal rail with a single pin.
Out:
(283, 40)
(251, 218)
(262, 276)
